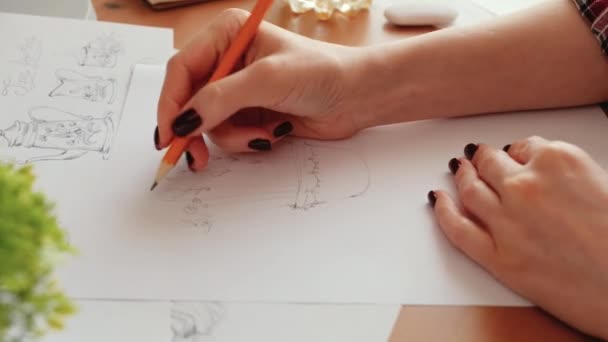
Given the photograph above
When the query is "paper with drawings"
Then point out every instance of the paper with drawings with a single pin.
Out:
(331, 222)
(116, 321)
(229, 322)
(164, 321)
(63, 84)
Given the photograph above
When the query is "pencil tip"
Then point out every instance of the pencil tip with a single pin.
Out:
(153, 186)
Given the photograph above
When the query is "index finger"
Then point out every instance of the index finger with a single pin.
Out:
(191, 67)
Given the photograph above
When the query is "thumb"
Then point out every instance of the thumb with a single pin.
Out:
(218, 101)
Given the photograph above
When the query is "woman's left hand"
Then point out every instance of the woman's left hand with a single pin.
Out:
(535, 217)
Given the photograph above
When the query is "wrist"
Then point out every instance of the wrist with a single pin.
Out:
(383, 89)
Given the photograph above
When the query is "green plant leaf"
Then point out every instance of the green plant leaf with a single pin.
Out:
(31, 244)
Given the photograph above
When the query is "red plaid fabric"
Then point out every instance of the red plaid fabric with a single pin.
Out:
(596, 12)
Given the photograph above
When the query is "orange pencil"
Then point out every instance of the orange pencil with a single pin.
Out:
(234, 52)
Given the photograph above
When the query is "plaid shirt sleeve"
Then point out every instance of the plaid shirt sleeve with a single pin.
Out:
(596, 12)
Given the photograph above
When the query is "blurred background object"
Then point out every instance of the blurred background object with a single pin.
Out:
(324, 9)
(166, 4)
(80, 9)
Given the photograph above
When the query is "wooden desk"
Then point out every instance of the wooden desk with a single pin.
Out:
(470, 324)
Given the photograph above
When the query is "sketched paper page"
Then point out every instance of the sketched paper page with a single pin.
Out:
(164, 321)
(63, 84)
(322, 222)
(230, 322)
(115, 321)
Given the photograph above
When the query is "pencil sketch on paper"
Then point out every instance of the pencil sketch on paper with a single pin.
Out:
(300, 177)
(312, 176)
(20, 84)
(53, 134)
(195, 321)
(75, 85)
(30, 52)
(194, 210)
(198, 204)
(102, 52)
(22, 78)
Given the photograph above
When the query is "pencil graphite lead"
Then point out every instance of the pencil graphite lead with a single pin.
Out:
(154, 186)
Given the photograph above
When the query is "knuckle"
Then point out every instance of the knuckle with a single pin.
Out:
(521, 147)
(453, 226)
(549, 152)
(532, 139)
(269, 66)
(523, 187)
(234, 14)
(485, 157)
(559, 153)
(568, 150)
(208, 96)
(518, 146)
(456, 232)
(174, 63)
(229, 22)
(212, 91)
(469, 192)
(167, 108)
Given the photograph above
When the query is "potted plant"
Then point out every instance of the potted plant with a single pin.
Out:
(31, 244)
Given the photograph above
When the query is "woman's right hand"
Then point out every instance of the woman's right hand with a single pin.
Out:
(285, 84)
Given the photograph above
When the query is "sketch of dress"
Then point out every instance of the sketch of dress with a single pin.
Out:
(102, 52)
(320, 174)
(30, 51)
(23, 76)
(301, 176)
(60, 135)
(20, 84)
(194, 198)
(75, 85)
(195, 321)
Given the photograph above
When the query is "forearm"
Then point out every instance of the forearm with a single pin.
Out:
(540, 58)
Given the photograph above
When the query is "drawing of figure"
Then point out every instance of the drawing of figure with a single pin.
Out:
(317, 185)
(195, 321)
(22, 80)
(21, 84)
(30, 52)
(89, 88)
(60, 135)
(301, 176)
(194, 206)
(306, 162)
(102, 52)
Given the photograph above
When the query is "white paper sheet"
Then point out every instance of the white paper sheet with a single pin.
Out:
(231, 322)
(63, 84)
(116, 321)
(163, 321)
(322, 222)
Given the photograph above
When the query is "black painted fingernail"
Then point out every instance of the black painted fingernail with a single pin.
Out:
(156, 139)
(260, 145)
(283, 129)
(454, 164)
(506, 148)
(190, 160)
(186, 123)
(432, 196)
(469, 150)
